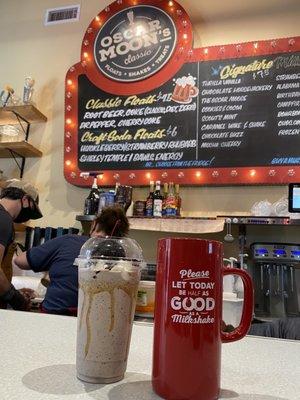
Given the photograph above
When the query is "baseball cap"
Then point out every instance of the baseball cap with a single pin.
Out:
(30, 191)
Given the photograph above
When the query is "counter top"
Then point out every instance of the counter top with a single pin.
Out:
(38, 362)
(165, 224)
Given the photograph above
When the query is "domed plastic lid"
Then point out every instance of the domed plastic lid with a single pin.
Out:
(111, 248)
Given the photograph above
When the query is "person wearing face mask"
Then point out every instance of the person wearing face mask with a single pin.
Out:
(57, 257)
(18, 203)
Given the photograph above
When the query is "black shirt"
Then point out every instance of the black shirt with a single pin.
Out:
(6, 228)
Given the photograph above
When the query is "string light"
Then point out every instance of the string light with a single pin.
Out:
(85, 54)
(148, 175)
(291, 42)
(69, 82)
(198, 174)
(68, 121)
(185, 36)
(255, 45)
(190, 53)
(68, 163)
(272, 172)
(205, 51)
(170, 4)
(252, 173)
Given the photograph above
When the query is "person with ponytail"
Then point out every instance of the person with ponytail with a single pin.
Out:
(57, 257)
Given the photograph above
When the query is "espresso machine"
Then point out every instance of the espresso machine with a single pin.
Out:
(275, 269)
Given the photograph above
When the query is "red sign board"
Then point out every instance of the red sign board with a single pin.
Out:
(142, 104)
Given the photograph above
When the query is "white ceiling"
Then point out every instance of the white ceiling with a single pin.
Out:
(213, 10)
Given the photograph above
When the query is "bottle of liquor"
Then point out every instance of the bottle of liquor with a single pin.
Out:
(178, 200)
(157, 201)
(165, 195)
(92, 201)
(119, 195)
(171, 202)
(149, 201)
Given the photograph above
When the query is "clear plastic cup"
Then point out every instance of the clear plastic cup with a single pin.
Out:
(109, 272)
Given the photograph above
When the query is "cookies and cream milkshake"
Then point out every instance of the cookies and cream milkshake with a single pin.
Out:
(106, 305)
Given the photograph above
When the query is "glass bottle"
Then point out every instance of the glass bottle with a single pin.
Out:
(171, 202)
(178, 200)
(91, 203)
(149, 201)
(157, 201)
(165, 195)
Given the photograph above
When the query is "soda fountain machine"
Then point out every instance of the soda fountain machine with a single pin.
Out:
(275, 269)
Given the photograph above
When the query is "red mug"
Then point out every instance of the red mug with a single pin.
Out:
(188, 318)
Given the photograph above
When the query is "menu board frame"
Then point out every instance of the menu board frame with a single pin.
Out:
(182, 54)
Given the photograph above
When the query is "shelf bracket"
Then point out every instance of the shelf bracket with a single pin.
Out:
(19, 118)
(20, 165)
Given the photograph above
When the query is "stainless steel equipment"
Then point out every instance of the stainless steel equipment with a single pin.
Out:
(275, 269)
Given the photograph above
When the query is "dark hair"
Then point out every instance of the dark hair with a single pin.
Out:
(112, 221)
(12, 193)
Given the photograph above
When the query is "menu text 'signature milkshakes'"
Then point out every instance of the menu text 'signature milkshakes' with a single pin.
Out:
(106, 305)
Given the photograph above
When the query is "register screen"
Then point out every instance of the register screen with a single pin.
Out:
(294, 197)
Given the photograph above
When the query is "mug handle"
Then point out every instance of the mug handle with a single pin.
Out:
(247, 313)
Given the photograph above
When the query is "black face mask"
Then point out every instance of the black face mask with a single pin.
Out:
(24, 214)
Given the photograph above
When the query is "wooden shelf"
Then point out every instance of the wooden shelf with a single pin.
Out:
(8, 115)
(22, 149)
(85, 218)
(20, 227)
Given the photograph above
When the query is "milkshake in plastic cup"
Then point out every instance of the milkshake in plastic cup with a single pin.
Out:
(109, 274)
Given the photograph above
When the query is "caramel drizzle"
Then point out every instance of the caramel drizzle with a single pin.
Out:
(90, 290)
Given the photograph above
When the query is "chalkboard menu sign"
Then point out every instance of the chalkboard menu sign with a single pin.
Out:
(236, 113)
(221, 118)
